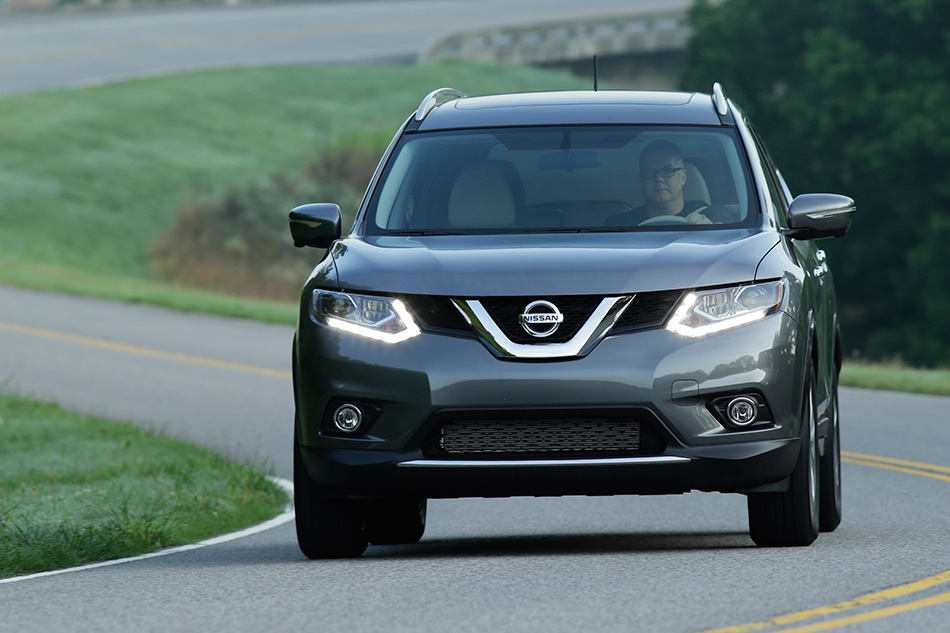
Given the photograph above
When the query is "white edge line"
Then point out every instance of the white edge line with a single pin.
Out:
(284, 517)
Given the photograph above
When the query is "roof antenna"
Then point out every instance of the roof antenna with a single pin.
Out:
(595, 73)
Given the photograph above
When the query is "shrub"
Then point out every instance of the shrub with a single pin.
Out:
(238, 242)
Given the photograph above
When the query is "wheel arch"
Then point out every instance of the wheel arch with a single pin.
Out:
(809, 358)
(839, 352)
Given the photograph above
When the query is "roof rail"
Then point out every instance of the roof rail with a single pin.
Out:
(719, 100)
(432, 100)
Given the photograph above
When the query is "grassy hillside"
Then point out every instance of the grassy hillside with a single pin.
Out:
(90, 178)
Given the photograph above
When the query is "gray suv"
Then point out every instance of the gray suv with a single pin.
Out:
(568, 293)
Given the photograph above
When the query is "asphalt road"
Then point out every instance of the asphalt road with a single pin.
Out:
(681, 563)
(39, 52)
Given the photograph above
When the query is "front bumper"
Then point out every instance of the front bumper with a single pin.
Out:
(736, 468)
(655, 374)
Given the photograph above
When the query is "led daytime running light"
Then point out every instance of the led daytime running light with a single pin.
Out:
(692, 320)
(376, 331)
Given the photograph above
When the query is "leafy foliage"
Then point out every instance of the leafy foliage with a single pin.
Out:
(851, 96)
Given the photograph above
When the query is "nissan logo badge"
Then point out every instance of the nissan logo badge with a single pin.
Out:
(540, 318)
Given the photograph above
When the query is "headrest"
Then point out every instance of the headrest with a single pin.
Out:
(695, 187)
(481, 197)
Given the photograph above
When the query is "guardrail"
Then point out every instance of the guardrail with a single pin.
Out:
(567, 41)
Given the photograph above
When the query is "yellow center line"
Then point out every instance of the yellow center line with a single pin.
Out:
(137, 350)
(899, 462)
(863, 601)
(872, 615)
(888, 463)
(909, 471)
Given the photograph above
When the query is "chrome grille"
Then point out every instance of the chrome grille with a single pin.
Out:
(505, 311)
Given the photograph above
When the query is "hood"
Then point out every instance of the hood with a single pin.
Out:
(549, 264)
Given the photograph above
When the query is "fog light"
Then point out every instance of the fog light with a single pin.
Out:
(347, 418)
(742, 411)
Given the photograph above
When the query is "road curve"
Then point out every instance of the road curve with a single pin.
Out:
(40, 52)
(682, 563)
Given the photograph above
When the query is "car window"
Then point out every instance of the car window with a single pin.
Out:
(537, 179)
(778, 190)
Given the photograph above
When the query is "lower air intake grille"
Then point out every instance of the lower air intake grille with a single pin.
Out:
(545, 437)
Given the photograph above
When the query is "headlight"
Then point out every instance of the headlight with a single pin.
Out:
(706, 311)
(380, 318)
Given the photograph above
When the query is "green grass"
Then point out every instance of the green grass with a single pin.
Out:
(895, 378)
(134, 290)
(77, 489)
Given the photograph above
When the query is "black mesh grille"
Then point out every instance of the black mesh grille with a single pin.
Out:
(506, 310)
(554, 437)
(649, 309)
(438, 313)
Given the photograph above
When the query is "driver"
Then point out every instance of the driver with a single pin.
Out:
(663, 175)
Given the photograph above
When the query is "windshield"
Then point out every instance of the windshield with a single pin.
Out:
(551, 179)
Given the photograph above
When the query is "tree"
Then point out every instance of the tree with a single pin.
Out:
(852, 96)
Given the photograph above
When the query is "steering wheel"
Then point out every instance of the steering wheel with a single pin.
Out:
(664, 219)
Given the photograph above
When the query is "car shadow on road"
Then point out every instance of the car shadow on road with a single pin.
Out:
(242, 554)
(562, 545)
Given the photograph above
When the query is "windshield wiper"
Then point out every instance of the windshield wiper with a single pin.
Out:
(584, 230)
(420, 233)
(550, 231)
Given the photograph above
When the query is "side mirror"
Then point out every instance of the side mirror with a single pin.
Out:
(816, 215)
(315, 224)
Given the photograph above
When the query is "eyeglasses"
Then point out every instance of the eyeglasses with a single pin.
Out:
(664, 172)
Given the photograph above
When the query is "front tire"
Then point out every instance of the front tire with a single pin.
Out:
(791, 518)
(326, 527)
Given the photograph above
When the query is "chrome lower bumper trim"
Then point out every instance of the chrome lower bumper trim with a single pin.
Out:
(507, 463)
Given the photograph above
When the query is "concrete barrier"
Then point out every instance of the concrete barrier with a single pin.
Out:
(558, 42)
